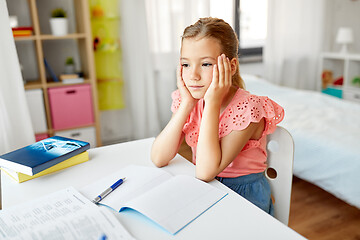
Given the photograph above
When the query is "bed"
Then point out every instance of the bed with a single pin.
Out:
(326, 133)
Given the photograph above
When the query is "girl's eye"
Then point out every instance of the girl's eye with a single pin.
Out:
(184, 65)
(207, 64)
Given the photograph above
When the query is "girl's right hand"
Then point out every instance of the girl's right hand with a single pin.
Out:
(186, 96)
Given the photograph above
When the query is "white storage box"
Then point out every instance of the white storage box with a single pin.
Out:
(352, 94)
(84, 134)
(35, 102)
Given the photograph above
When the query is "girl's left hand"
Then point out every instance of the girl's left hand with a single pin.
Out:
(221, 81)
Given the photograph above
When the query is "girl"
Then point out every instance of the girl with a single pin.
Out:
(224, 125)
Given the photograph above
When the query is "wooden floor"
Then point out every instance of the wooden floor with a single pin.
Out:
(316, 214)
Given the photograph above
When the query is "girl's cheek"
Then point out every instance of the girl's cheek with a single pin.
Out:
(185, 75)
(209, 74)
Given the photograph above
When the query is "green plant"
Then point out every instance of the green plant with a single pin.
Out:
(356, 81)
(58, 13)
(69, 61)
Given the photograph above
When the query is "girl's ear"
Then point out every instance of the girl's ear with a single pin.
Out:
(233, 64)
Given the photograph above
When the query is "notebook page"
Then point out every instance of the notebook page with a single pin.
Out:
(177, 202)
(65, 214)
(138, 180)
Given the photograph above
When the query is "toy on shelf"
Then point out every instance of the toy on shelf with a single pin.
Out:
(356, 81)
(328, 79)
(339, 81)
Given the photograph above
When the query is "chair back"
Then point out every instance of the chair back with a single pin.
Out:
(280, 150)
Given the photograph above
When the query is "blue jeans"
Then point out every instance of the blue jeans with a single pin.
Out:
(254, 187)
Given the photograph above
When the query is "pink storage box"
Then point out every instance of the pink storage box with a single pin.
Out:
(71, 106)
(41, 136)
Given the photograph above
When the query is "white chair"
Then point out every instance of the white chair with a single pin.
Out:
(280, 149)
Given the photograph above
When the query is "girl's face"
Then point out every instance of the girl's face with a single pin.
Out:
(197, 60)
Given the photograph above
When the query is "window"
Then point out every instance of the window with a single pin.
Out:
(251, 26)
(167, 19)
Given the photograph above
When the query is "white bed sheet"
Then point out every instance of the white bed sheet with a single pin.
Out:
(326, 132)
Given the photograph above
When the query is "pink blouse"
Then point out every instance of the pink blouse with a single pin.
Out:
(243, 109)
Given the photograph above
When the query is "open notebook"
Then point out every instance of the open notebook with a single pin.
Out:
(171, 201)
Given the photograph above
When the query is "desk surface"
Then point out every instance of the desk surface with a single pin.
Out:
(231, 218)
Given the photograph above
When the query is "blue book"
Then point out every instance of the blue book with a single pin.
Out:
(41, 155)
(51, 72)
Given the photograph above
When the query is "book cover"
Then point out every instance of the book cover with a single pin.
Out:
(22, 35)
(19, 33)
(41, 155)
(51, 72)
(68, 76)
(21, 177)
(22, 28)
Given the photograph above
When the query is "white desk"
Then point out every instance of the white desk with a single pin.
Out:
(231, 218)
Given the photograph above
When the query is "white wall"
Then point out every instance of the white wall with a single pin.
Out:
(342, 13)
(255, 68)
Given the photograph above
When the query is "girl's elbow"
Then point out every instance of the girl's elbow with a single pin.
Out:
(205, 176)
(158, 160)
(159, 164)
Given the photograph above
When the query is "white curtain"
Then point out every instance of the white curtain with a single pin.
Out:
(166, 21)
(138, 70)
(294, 42)
(15, 124)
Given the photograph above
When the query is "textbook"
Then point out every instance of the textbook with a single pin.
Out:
(41, 155)
(73, 80)
(172, 202)
(20, 177)
(22, 31)
(50, 70)
(65, 214)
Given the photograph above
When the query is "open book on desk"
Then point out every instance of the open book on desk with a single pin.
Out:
(171, 201)
(65, 214)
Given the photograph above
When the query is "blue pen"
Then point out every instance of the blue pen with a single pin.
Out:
(108, 191)
(103, 237)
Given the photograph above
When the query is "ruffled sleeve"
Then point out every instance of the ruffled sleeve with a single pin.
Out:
(176, 99)
(247, 108)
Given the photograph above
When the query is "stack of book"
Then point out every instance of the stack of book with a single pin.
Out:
(44, 157)
(22, 31)
(71, 78)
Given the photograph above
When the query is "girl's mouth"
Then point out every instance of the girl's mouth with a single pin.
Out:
(195, 87)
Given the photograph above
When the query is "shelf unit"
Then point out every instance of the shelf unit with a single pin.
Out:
(42, 41)
(346, 65)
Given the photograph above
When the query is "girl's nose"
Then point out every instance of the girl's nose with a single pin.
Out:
(195, 74)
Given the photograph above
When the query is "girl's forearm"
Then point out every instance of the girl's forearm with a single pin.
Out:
(167, 143)
(208, 153)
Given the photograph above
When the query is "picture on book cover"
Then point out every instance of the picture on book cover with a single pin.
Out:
(56, 146)
(42, 155)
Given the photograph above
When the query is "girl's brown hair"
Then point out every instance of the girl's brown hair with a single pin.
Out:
(218, 29)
